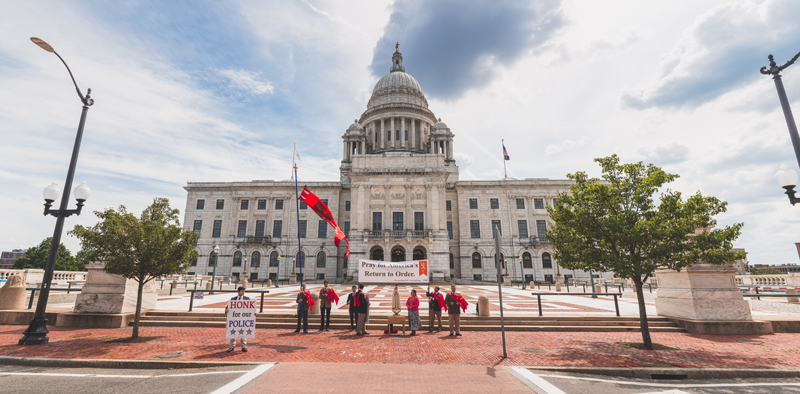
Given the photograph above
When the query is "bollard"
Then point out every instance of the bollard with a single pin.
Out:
(269, 282)
(597, 288)
(208, 285)
(531, 284)
(483, 306)
(558, 286)
(315, 308)
(792, 299)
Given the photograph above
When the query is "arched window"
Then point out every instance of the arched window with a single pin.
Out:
(321, 260)
(476, 260)
(419, 254)
(452, 262)
(255, 259)
(547, 261)
(377, 254)
(273, 259)
(212, 259)
(300, 257)
(237, 259)
(398, 254)
(526, 260)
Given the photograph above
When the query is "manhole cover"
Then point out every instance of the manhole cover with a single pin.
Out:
(532, 350)
(171, 355)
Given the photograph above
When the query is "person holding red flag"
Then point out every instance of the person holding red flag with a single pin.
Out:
(362, 307)
(455, 304)
(413, 313)
(322, 210)
(327, 298)
(304, 305)
(435, 305)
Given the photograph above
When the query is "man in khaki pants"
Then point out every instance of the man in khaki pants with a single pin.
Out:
(434, 309)
(454, 302)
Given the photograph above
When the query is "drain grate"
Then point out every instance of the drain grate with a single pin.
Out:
(668, 376)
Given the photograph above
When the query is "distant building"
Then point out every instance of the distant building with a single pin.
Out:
(7, 259)
(785, 268)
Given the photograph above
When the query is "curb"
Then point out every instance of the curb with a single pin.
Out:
(679, 373)
(118, 364)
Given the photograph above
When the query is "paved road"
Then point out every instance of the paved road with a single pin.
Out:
(564, 383)
(17, 379)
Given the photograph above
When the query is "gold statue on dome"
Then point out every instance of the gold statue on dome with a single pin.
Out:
(397, 47)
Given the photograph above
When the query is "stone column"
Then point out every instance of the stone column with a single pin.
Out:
(392, 134)
(382, 137)
(344, 151)
(359, 208)
(409, 210)
(413, 133)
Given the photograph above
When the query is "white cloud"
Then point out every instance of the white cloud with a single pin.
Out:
(248, 81)
(554, 149)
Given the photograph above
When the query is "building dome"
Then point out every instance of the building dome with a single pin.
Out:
(397, 88)
(355, 127)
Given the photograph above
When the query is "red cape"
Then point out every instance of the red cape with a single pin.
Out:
(310, 300)
(332, 296)
(461, 301)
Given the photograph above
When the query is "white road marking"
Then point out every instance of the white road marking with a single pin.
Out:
(244, 379)
(668, 392)
(92, 375)
(669, 385)
(538, 381)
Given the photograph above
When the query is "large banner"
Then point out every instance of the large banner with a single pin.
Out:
(370, 271)
(241, 322)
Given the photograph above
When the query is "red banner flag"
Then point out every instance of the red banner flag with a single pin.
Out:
(322, 210)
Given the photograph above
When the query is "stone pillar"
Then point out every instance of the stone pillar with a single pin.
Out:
(558, 286)
(413, 133)
(107, 293)
(701, 292)
(315, 309)
(531, 285)
(792, 299)
(598, 288)
(403, 142)
(393, 136)
(344, 151)
(382, 137)
(483, 306)
(13, 293)
(208, 285)
(269, 282)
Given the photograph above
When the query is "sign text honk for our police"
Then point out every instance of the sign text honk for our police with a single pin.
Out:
(241, 322)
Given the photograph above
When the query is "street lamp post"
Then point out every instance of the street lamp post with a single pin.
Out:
(784, 177)
(591, 278)
(214, 273)
(522, 272)
(36, 334)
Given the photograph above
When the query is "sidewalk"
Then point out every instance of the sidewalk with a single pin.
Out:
(779, 351)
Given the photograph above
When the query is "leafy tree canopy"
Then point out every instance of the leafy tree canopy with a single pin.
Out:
(766, 271)
(36, 257)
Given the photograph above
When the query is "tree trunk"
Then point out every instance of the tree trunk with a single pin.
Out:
(648, 343)
(138, 310)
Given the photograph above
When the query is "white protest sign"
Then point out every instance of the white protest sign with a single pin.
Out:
(241, 322)
(370, 271)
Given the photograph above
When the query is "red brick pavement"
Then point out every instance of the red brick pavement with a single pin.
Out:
(474, 348)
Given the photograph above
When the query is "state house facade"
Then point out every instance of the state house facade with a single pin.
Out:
(399, 198)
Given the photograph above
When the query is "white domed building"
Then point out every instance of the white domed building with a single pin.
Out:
(399, 198)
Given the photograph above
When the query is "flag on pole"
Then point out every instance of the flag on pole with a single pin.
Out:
(296, 153)
(505, 153)
(322, 210)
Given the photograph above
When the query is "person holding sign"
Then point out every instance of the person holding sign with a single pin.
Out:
(327, 298)
(304, 304)
(413, 313)
(242, 340)
(455, 303)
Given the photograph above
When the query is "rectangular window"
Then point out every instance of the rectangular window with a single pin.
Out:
(198, 225)
(303, 205)
(344, 262)
(448, 205)
(555, 201)
(475, 228)
(259, 228)
(217, 229)
(450, 230)
(220, 204)
(538, 203)
(397, 221)
(406, 135)
(496, 224)
(324, 201)
(322, 232)
(346, 229)
(388, 135)
(397, 135)
(242, 229)
(245, 205)
(522, 225)
(347, 206)
(262, 204)
(549, 278)
(473, 203)
(541, 230)
(419, 221)
(301, 231)
(277, 228)
(494, 204)
(279, 203)
(377, 221)
(201, 204)
(520, 203)
(194, 264)
(477, 277)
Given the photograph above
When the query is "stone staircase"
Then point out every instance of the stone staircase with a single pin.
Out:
(340, 322)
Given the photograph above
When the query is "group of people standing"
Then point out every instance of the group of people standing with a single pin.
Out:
(358, 306)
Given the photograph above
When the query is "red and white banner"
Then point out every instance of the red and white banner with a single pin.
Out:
(370, 271)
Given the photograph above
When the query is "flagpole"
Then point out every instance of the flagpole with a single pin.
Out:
(505, 173)
(299, 246)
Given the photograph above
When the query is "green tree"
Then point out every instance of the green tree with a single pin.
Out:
(142, 248)
(36, 257)
(766, 271)
(614, 224)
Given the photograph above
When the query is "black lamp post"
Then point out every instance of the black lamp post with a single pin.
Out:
(36, 334)
(786, 177)
(214, 273)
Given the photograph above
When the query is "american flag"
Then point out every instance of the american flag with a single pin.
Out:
(505, 153)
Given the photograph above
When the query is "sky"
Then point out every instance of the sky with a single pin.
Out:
(218, 91)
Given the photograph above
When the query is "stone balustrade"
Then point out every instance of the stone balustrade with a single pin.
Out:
(34, 276)
(791, 280)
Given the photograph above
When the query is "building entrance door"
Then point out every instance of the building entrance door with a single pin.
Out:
(398, 254)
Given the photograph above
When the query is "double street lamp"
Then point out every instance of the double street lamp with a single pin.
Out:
(36, 334)
(786, 177)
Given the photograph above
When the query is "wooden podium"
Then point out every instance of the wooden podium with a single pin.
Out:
(396, 319)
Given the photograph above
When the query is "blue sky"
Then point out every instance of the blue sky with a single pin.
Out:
(219, 91)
